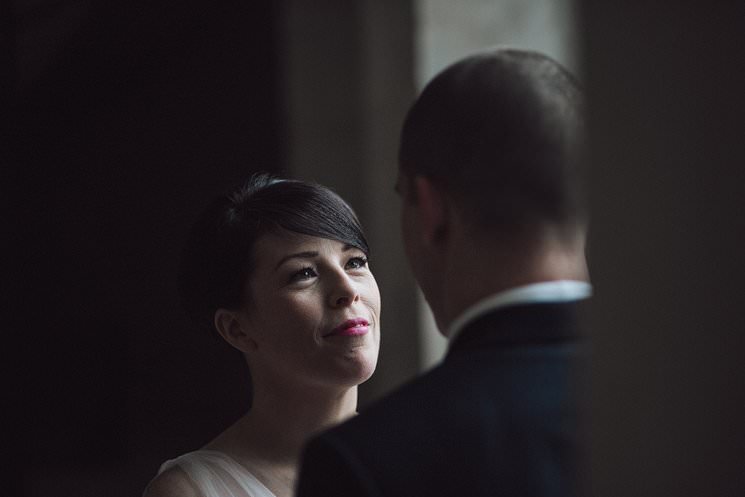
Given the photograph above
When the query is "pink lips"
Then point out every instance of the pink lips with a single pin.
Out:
(351, 327)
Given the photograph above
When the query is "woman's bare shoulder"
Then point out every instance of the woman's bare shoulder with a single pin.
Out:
(172, 482)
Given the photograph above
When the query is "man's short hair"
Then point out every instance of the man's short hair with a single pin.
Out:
(502, 132)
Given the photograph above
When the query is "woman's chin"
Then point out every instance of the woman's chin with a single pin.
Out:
(360, 360)
(359, 369)
(366, 374)
(345, 369)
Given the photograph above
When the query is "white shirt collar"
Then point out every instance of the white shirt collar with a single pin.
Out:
(548, 291)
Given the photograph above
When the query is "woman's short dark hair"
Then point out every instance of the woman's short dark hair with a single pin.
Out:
(218, 258)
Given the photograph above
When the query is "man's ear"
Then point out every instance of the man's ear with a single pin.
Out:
(233, 329)
(432, 210)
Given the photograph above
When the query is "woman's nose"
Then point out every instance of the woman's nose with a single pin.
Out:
(343, 293)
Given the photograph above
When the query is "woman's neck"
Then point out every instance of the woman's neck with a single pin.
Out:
(284, 417)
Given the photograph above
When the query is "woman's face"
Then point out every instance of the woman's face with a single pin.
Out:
(314, 311)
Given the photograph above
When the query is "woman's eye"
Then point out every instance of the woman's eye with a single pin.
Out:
(304, 274)
(356, 263)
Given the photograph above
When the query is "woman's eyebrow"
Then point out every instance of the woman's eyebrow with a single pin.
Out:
(299, 255)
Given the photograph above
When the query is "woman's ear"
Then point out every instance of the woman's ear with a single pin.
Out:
(234, 330)
(432, 210)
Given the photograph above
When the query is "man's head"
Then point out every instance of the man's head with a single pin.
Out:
(494, 143)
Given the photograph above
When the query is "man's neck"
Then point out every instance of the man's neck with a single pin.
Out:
(477, 271)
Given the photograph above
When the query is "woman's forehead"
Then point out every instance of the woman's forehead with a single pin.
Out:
(274, 247)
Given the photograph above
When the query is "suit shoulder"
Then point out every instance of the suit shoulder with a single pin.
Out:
(172, 482)
(468, 393)
(481, 406)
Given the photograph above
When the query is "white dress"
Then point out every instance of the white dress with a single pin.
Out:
(216, 474)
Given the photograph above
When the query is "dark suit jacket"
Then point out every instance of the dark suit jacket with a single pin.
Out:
(497, 417)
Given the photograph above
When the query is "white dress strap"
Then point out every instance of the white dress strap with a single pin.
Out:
(216, 474)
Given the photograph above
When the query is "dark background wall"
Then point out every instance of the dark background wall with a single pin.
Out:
(126, 118)
(665, 82)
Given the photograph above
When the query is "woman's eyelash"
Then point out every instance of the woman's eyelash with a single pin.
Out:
(304, 274)
(357, 262)
(307, 273)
